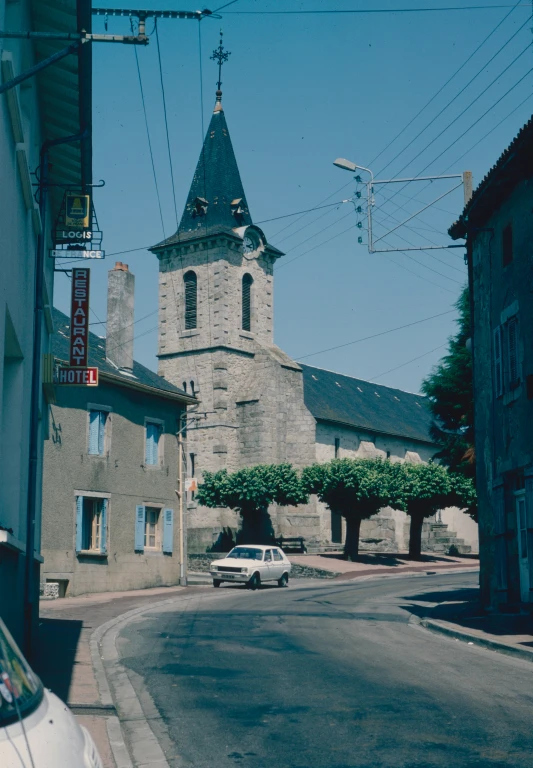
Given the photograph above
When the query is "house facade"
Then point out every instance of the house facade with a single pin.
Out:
(216, 335)
(111, 512)
(55, 104)
(497, 224)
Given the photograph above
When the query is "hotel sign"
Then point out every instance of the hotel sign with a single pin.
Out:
(77, 377)
(79, 318)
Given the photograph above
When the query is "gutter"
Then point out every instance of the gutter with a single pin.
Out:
(118, 380)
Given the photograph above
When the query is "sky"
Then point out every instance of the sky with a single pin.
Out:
(300, 90)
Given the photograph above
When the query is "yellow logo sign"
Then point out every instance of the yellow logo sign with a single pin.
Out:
(77, 210)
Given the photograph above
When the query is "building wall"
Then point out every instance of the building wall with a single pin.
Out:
(123, 474)
(389, 531)
(504, 443)
(18, 244)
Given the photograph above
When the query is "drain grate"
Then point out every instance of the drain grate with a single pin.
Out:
(98, 710)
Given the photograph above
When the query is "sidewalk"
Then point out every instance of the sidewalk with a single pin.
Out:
(64, 661)
(383, 563)
(463, 619)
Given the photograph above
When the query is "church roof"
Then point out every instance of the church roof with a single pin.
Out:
(216, 202)
(357, 403)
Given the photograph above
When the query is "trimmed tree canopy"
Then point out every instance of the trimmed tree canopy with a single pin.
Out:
(353, 488)
(250, 491)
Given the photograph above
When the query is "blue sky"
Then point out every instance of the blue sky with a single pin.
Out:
(299, 91)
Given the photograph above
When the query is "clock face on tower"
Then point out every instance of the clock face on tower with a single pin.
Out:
(249, 244)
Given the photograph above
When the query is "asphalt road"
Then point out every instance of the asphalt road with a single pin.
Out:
(327, 675)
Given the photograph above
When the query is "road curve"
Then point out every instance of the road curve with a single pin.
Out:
(326, 675)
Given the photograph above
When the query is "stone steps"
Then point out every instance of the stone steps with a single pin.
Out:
(440, 539)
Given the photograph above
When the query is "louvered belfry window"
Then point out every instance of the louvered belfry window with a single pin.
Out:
(247, 281)
(191, 300)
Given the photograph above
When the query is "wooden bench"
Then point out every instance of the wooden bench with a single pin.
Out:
(294, 543)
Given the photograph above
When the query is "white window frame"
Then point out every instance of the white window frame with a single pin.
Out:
(160, 444)
(100, 496)
(107, 430)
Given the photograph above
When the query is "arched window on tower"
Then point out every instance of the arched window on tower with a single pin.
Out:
(191, 300)
(247, 282)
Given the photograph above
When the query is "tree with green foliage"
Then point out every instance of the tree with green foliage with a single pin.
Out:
(449, 388)
(421, 490)
(250, 491)
(353, 488)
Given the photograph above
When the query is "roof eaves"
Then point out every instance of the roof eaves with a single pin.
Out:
(164, 393)
(364, 428)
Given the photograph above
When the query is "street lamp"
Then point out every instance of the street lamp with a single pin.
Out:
(347, 165)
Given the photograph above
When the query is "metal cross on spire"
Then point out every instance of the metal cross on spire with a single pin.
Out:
(220, 55)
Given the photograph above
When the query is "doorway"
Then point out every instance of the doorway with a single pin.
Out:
(523, 554)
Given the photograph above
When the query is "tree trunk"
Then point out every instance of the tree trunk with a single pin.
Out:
(415, 537)
(256, 527)
(351, 545)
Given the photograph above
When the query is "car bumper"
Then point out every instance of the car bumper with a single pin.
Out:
(236, 577)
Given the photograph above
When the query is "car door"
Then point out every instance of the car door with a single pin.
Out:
(267, 570)
(278, 565)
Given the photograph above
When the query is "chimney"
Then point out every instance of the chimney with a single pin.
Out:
(119, 342)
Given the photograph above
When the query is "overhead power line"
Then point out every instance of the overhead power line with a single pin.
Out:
(457, 95)
(408, 362)
(376, 335)
(166, 124)
(148, 136)
(448, 81)
(375, 10)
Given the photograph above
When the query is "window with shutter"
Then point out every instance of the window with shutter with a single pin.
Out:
(512, 353)
(153, 442)
(91, 524)
(191, 300)
(97, 432)
(498, 361)
(247, 281)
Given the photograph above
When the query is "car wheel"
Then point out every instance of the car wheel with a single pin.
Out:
(255, 581)
(284, 581)
(216, 582)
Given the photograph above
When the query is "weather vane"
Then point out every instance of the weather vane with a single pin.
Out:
(220, 55)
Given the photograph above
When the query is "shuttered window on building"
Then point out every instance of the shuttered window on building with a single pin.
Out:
(191, 300)
(498, 361)
(512, 351)
(247, 281)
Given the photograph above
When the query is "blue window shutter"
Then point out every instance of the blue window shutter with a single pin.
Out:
(94, 428)
(150, 443)
(157, 436)
(139, 528)
(79, 523)
(103, 527)
(168, 530)
(101, 432)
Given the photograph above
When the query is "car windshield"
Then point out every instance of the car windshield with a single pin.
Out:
(20, 689)
(247, 553)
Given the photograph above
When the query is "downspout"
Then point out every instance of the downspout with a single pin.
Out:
(35, 398)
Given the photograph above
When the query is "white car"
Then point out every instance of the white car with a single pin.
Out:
(36, 728)
(252, 564)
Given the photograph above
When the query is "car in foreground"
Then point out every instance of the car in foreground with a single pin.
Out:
(37, 730)
(252, 564)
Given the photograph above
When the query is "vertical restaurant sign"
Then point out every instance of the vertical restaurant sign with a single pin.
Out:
(79, 318)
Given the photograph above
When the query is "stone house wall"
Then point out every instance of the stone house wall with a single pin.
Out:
(120, 474)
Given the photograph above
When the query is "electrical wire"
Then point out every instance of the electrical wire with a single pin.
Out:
(373, 10)
(376, 335)
(166, 123)
(414, 359)
(286, 263)
(148, 134)
(465, 110)
(432, 99)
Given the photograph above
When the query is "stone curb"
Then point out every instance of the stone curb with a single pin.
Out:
(433, 625)
(131, 722)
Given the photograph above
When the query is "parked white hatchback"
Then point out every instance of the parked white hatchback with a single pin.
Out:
(36, 728)
(252, 564)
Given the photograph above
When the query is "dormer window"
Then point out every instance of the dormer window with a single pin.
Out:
(237, 210)
(200, 207)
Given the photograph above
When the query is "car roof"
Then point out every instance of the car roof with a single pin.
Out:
(258, 546)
